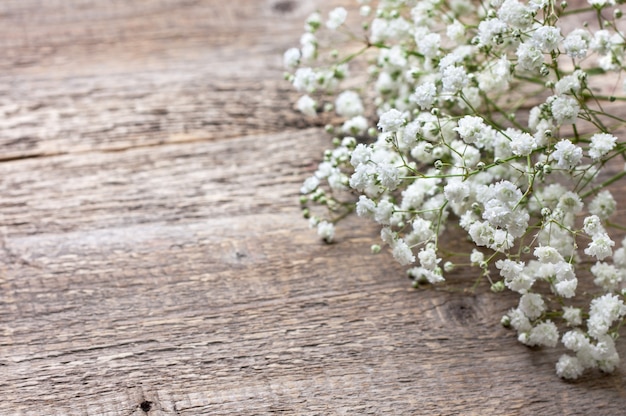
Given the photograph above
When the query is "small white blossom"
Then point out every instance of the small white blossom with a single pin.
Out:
(456, 31)
(600, 246)
(349, 104)
(544, 334)
(529, 56)
(391, 121)
(547, 38)
(304, 80)
(326, 230)
(569, 84)
(569, 367)
(424, 95)
(336, 18)
(564, 109)
(456, 191)
(472, 129)
(355, 125)
(604, 310)
(603, 205)
(428, 258)
(490, 31)
(567, 154)
(601, 144)
(402, 253)
(573, 316)
(309, 185)
(607, 276)
(476, 257)
(532, 305)
(454, 79)
(515, 14)
(306, 105)
(522, 144)
(291, 58)
(576, 43)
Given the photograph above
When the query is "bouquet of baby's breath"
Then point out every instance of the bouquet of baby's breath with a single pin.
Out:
(499, 118)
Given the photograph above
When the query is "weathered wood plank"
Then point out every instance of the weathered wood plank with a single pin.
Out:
(153, 257)
(85, 75)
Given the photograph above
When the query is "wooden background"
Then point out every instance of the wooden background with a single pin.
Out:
(153, 256)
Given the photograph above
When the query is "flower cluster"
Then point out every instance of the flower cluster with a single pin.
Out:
(488, 117)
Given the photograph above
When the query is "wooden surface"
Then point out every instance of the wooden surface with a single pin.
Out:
(153, 256)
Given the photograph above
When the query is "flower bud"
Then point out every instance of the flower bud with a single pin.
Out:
(497, 287)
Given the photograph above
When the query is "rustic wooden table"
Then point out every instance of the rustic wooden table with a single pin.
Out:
(154, 260)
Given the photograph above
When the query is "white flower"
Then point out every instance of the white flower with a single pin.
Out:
(566, 288)
(568, 84)
(349, 104)
(456, 31)
(548, 254)
(545, 334)
(607, 276)
(428, 258)
(336, 18)
(600, 246)
(564, 109)
(601, 42)
(601, 144)
(482, 233)
(306, 105)
(604, 310)
(569, 367)
(519, 320)
(472, 129)
(313, 22)
(601, 3)
(309, 185)
(577, 43)
(431, 276)
(547, 38)
(360, 154)
(476, 257)
(428, 43)
(383, 213)
(592, 225)
(490, 31)
(532, 305)
(515, 14)
(522, 144)
(365, 207)
(573, 316)
(392, 120)
(402, 253)
(424, 95)
(454, 79)
(356, 125)
(603, 205)
(388, 175)
(529, 56)
(326, 230)
(291, 58)
(304, 80)
(567, 154)
(456, 191)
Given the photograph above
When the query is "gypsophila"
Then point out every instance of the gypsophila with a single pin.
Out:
(489, 119)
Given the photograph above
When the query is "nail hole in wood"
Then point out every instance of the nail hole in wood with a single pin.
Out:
(146, 406)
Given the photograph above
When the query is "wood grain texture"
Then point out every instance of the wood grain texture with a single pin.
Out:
(153, 257)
